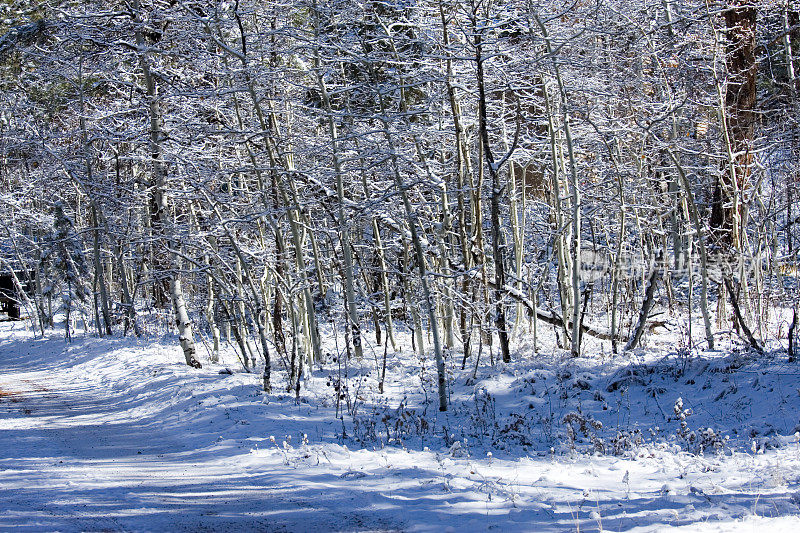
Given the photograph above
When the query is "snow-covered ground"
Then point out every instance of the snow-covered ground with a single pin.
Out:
(117, 435)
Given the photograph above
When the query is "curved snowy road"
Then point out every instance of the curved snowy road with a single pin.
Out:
(81, 451)
(117, 435)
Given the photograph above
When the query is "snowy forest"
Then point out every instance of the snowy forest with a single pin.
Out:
(542, 228)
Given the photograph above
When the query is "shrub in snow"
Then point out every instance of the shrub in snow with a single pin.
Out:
(710, 440)
(681, 415)
(365, 429)
(484, 419)
(457, 450)
(695, 442)
(626, 441)
(516, 428)
(587, 426)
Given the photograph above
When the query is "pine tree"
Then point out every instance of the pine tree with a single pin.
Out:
(68, 265)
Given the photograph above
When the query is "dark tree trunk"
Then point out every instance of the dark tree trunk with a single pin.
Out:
(740, 110)
(497, 247)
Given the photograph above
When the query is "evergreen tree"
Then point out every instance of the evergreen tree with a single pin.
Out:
(68, 266)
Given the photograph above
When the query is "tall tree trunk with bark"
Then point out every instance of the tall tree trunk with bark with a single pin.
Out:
(159, 195)
(463, 174)
(494, 199)
(739, 117)
(344, 229)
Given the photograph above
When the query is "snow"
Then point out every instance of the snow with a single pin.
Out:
(116, 434)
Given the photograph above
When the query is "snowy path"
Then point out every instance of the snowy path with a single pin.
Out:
(78, 455)
(116, 435)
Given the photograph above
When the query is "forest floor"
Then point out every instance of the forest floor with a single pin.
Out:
(116, 434)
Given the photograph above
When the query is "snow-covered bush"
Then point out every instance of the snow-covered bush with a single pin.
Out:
(696, 442)
(626, 441)
(586, 426)
(484, 418)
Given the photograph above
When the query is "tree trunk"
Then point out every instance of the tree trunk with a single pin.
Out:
(282, 164)
(98, 271)
(159, 198)
(698, 228)
(575, 244)
(739, 118)
(647, 304)
(344, 230)
(416, 242)
(494, 200)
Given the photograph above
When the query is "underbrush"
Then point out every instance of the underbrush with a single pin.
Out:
(710, 404)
